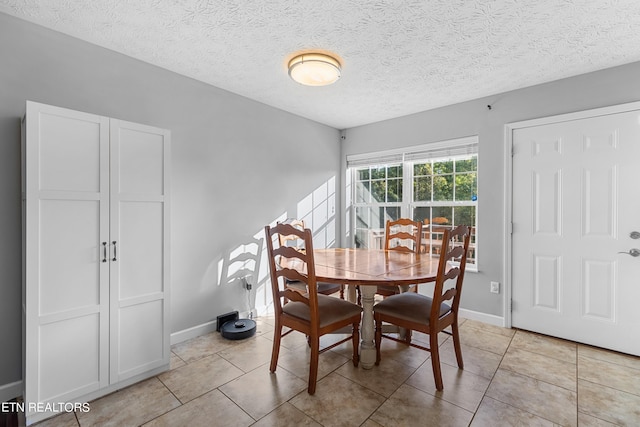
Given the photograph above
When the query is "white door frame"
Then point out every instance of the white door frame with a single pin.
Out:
(508, 181)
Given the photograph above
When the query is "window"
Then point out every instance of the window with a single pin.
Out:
(436, 184)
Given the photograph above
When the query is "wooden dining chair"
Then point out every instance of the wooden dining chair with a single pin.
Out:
(431, 315)
(310, 313)
(294, 241)
(403, 235)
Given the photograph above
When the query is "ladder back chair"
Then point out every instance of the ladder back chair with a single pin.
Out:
(403, 235)
(431, 315)
(294, 241)
(308, 312)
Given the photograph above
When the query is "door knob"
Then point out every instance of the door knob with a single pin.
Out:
(635, 235)
(633, 252)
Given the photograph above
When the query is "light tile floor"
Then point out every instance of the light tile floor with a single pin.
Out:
(511, 377)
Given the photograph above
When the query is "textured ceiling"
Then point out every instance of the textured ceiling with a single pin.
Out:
(400, 57)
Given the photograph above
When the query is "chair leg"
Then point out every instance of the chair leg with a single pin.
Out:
(277, 337)
(313, 365)
(355, 343)
(378, 338)
(435, 360)
(407, 336)
(455, 333)
(341, 291)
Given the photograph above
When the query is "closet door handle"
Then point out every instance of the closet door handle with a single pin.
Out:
(114, 251)
(104, 251)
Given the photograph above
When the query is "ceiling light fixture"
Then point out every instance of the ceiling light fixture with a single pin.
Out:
(314, 69)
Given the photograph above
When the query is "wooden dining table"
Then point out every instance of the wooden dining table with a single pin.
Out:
(369, 268)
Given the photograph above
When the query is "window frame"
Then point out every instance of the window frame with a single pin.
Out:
(408, 157)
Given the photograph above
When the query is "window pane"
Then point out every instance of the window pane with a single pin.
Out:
(422, 169)
(421, 214)
(467, 165)
(442, 215)
(378, 173)
(444, 167)
(443, 187)
(363, 192)
(466, 186)
(465, 215)
(392, 213)
(422, 189)
(394, 171)
(363, 223)
(363, 217)
(363, 174)
(394, 190)
(378, 190)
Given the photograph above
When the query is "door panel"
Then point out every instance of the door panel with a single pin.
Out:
(141, 159)
(70, 244)
(141, 250)
(546, 282)
(141, 339)
(66, 284)
(69, 152)
(575, 202)
(139, 225)
(598, 289)
(76, 342)
(547, 202)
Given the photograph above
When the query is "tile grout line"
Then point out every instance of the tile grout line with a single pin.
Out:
(484, 395)
(518, 373)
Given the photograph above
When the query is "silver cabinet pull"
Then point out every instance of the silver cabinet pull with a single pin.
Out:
(633, 252)
(114, 251)
(635, 235)
(104, 251)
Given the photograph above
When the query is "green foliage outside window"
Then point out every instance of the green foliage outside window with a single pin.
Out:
(379, 184)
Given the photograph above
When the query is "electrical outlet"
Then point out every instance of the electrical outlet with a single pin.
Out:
(495, 287)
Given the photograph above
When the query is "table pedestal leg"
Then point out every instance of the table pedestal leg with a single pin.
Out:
(351, 293)
(367, 346)
(402, 332)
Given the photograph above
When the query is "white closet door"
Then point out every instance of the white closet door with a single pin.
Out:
(139, 248)
(66, 275)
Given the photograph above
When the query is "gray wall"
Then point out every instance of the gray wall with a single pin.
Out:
(232, 160)
(603, 88)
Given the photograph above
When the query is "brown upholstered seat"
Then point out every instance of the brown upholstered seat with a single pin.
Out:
(431, 315)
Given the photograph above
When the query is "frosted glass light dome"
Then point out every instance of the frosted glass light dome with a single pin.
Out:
(314, 69)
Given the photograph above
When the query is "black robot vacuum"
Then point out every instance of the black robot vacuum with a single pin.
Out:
(236, 329)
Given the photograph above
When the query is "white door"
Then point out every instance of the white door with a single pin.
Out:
(140, 249)
(66, 184)
(576, 203)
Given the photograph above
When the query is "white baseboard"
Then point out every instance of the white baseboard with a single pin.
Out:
(203, 329)
(10, 391)
(195, 331)
(491, 319)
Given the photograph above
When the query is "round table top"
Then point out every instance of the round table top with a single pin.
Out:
(373, 266)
